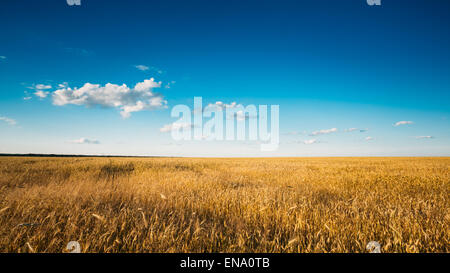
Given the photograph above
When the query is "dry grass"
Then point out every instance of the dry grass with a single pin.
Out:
(224, 205)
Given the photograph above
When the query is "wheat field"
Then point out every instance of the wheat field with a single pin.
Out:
(224, 205)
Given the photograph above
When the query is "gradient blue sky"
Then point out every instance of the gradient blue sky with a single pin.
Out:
(328, 64)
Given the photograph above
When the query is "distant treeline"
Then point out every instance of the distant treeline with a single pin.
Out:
(63, 155)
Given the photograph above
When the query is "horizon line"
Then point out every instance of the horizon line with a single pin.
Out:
(156, 156)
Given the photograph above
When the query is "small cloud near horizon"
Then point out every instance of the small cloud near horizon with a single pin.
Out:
(10, 121)
(424, 137)
(85, 141)
(355, 129)
(403, 123)
(310, 141)
(176, 126)
(324, 132)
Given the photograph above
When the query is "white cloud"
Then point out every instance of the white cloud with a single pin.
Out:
(355, 129)
(403, 123)
(310, 141)
(424, 137)
(42, 86)
(142, 67)
(369, 138)
(128, 100)
(63, 85)
(41, 94)
(176, 126)
(27, 98)
(10, 121)
(85, 141)
(324, 132)
(40, 90)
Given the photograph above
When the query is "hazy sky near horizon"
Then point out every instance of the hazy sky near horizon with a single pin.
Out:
(351, 79)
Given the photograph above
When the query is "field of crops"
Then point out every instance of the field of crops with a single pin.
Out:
(224, 205)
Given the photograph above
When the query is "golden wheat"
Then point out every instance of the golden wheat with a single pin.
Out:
(224, 205)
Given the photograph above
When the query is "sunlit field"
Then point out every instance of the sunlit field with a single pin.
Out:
(224, 205)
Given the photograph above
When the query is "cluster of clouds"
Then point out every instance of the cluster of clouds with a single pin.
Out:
(41, 90)
(10, 121)
(189, 126)
(334, 130)
(128, 100)
(142, 97)
(239, 115)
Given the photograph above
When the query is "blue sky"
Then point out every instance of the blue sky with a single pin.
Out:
(328, 64)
